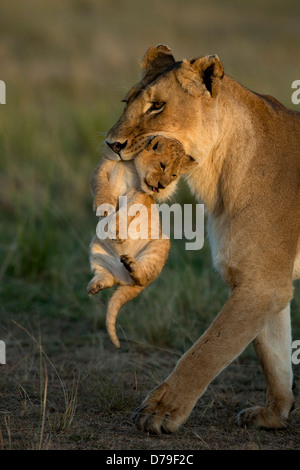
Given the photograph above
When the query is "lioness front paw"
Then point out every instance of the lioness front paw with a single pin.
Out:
(261, 417)
(161, 412)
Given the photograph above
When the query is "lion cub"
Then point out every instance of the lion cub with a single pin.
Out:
(131, 263)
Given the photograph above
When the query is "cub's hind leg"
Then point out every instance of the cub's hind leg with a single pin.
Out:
(147, 265)
(101, 280)
(102, 265)
(273, 349)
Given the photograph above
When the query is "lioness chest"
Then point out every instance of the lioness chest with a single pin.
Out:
(217, 231)
(232, 251)
(296, 270)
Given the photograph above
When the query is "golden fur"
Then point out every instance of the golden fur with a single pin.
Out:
(130, 263)
(247, 147)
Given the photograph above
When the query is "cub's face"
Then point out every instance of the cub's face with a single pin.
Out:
(177, 100)
(160, 164)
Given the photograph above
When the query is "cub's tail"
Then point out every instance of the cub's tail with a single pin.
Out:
(121, 295)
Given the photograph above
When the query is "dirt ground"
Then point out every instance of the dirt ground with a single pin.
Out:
(88, 401)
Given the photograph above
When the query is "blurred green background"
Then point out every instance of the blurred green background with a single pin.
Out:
(67, 64)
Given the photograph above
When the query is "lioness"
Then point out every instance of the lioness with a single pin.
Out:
(133, 263)
(247, 147)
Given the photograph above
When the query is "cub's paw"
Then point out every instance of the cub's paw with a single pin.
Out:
(134, 269)
(95, 285)
(163, 411)
(129, 263)
(261, 417)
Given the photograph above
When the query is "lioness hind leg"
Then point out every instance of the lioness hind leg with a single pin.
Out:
(273, 349)
(240, 321)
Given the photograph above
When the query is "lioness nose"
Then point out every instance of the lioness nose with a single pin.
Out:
(117, 146)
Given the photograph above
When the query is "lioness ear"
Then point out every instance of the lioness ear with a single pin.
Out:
(155, 58)
(187, 163)
(211, 71)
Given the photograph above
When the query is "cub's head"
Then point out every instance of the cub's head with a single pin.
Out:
(175, 99)
(160, 164)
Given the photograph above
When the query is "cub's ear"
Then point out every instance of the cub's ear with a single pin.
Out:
(155, 58)
(187, 163)
(156, 144)
(211, 71)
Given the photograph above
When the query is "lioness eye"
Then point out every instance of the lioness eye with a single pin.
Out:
(162, 166)
(174, 175)
(156, 106)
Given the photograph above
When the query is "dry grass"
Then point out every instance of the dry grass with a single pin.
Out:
(60, 396)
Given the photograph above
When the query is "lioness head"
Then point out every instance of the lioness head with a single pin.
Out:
(173, 99)
(160, 164)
